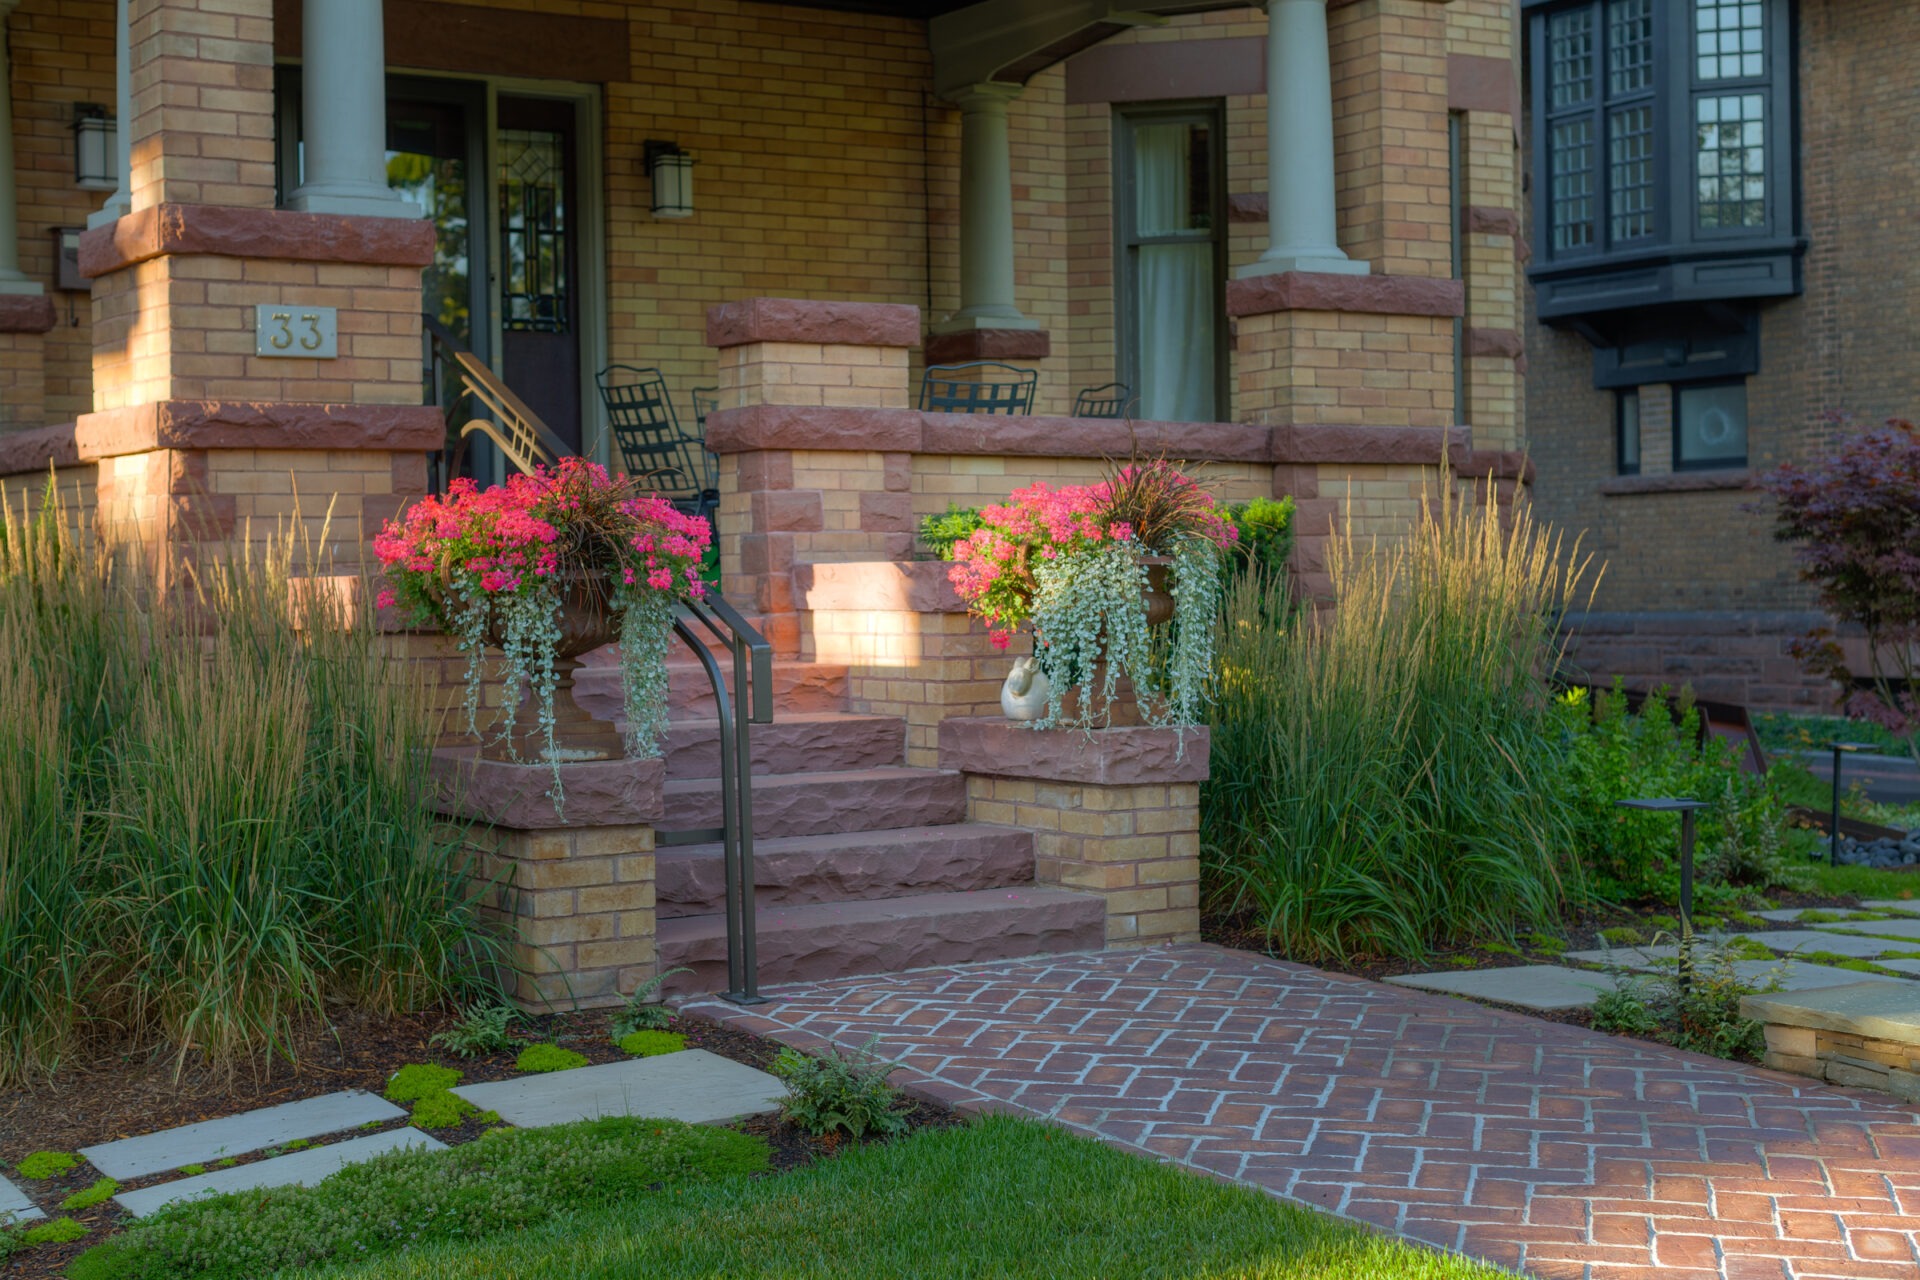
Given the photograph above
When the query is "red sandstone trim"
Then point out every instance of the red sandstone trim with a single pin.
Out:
(1488, 221)
(36, 449)
(1375, 295)
(1380, 446)
(988, 344)
(902, 586)
(1677, 482)
(255, 233)
(760, 428)
(1476, 83)
(599, 793)
(860, 324)
(1167, 71)
(25, 313)
(1247, 206)
(771, 426)
(1106, 757)
(228, 424)
(1495, 342)
(467, 38)
(1495, 464)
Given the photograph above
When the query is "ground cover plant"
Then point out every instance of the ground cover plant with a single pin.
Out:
(506, 1181)
(1006, 1198)
(1693, 1005)
(840, 1092)
(1385, 774)
(212, 826)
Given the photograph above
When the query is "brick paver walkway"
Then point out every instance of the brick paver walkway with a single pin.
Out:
(1524, 1142)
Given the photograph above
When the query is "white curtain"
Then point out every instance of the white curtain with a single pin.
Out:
(1175, 282)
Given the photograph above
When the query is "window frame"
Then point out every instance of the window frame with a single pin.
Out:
(1679, 435)
(1621, 465)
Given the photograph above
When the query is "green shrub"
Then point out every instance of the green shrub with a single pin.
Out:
(939, 533)
(643, 1011)
(840, 1093)
(101, 1191)
(58, 1231)
(192, 1170)
(651, 1044)
(417, 1080)
(1266, 534)
(1385, 776)
(1633, 855)
(548, 1057)
(1623, 1009)
(504, 1182)
(211, 818)
(1693, 1004)
(482, 1029)
(47, 1164)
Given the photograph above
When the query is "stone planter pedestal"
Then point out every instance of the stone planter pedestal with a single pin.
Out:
(576, 891)
(1114, 813)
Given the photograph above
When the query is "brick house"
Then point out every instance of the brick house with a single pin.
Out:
(1722, 237)
(225, 224)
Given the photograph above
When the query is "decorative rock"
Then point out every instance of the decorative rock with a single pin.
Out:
(15, 1204)
(1884, 854)
(300, 1169)
(1549, 987)
(237, 1135)
(692, 1085)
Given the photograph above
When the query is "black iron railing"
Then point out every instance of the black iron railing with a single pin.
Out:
(751, 704)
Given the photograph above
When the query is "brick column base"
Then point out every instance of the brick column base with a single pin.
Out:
(575, 892)
(1115, 813)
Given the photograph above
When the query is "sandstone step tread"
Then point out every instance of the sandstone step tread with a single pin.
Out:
(1883, 1010)
(847, 866)
(826, 940)
(796, 742)
(800, 804)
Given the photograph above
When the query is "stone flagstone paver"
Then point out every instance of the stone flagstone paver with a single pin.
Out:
(300, 1168)
(1839, 944)
(15, 1202)
(238, 1135)
(1909, 905)
(1574, 1155)
(1904, 929)
(1548, 987)
(692, 1085)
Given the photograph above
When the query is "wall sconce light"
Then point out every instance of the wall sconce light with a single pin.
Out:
(670, 170)
(96, 151)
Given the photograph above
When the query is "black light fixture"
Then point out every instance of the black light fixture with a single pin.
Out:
(1685, 808)
(670, 171)
(1839, 749)
(96, 149)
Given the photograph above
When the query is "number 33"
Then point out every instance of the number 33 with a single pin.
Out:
(284, 338)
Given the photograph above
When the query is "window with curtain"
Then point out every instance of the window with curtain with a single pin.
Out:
(1169, 197)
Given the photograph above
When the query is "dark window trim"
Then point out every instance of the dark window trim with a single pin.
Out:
(1620, 464)
(1710, 464)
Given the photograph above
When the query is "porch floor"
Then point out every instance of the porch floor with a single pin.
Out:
(1524, 1142)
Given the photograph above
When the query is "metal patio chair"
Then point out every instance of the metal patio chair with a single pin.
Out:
(705, 401)
(1109, 401)
(992, 388)
(653, 449)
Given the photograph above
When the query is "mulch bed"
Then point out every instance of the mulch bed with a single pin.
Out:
(113, 1098)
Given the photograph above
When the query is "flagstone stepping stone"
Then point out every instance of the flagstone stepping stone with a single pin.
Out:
(1903, 966)
(1909, 905)
(1549, 987)
(1799, 975)
(1839, 944)
(299, 1168)
(1907, 929)
(692, 1085)
(14, 1201)
(238, 1135)
(1645, 956)
(1789, 915)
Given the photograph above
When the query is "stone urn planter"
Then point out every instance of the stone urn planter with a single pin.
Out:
(586, 623)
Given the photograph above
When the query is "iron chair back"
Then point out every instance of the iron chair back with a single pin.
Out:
(654, 451)
(992, 388)
(527, 442)
(705, 401)
(1109, 401)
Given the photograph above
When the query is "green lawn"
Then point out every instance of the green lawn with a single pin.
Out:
(1001, 1198)
(1865, 883)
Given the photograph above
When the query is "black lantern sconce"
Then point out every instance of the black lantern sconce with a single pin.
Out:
(96, 148)
(670, 171)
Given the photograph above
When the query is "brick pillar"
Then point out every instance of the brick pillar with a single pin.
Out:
(1114, 813)
(25, 319)
(202, 127)
(576, 891)
(792, 369)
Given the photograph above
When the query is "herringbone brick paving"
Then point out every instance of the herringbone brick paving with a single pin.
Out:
(1531, 1144)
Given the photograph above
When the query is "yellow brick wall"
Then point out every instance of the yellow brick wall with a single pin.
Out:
(970, 481)
(923, 667)
(1348, 368)
(202, 131)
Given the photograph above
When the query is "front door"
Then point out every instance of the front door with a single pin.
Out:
(538, 266)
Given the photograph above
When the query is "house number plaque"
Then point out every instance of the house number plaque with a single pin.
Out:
(296, 332)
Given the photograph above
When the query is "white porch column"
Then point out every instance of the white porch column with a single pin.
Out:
(343, 112)
(11, 281)
(1302, 227)
(120, 201)
(986, 213)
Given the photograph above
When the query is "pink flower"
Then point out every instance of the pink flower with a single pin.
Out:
(1000, 639)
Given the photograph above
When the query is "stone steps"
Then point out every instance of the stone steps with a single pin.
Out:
(799, 870)
(842, 939)
(814, 742)
(798, 688)
(808, 804)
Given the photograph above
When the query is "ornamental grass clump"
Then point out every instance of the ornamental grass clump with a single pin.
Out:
(493, 565)
(214, 826)
(1075, 565)
(1386, 773)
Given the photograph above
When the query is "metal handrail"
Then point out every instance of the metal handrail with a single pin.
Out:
(752, 704)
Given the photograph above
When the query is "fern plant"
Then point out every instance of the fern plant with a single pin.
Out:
(481, 1029)
(840, 1093)
(643, 1010)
